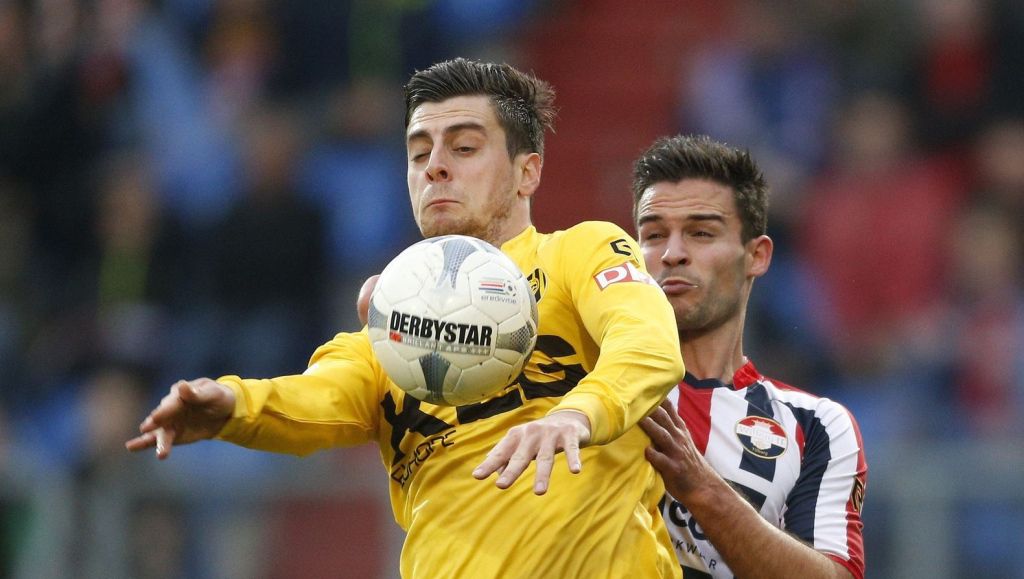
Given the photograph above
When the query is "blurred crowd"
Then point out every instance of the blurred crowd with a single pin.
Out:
(893, 137)
(196, 187)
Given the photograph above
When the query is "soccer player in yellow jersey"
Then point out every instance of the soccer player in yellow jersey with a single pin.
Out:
(606, 355)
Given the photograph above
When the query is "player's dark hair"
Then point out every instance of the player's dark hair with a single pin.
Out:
(523, 103)
(673, 159)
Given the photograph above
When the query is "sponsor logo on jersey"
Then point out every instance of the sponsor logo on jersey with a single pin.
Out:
(626, 272)
(429, 333)
(404, 470)
(762, 437)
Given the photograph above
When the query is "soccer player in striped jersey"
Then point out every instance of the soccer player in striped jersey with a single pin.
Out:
(763, 479)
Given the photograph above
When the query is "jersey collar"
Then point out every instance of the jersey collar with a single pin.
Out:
(745, 376)
(523, 239)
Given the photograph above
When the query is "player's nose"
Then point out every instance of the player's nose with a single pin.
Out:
(675, 252)
(437, 168)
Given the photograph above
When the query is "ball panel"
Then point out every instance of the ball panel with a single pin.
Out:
(395, 364)
(521, 339)
(435, 371)
(493, 371)
(456, 250)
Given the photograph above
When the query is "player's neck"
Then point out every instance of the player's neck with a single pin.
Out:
(509, 230)
(715, 353)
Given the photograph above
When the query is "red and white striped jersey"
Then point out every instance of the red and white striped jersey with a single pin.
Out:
(798, 459)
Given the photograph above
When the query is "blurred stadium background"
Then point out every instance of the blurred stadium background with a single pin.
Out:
(198, 187)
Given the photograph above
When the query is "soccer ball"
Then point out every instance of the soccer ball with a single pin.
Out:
(452, 320)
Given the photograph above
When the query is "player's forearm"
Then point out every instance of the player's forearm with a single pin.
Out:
(751, 546)
(305, 421)
(638, 365)
(614, 407)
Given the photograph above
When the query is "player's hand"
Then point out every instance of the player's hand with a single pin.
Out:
(193, 410)
(540, 440)
(673, 453)
(363, 301)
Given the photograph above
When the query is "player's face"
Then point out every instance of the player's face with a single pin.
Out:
(690, 236)
(461, 180)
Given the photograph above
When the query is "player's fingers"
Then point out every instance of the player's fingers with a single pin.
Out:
(667, 405)
(545, 461)
(490, 465)
(146, 440)
(658, 460)
(169, 406)
(515, 467)
(673, 413)
(572, 455)
(148, 425)
(657, 432)
(164, 441)
(497, 458)
(661, 417)
(671, 422)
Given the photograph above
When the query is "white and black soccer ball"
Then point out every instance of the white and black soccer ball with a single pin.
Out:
(452, 320)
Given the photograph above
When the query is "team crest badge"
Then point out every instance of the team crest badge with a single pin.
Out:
(538, 281)
(762, 437)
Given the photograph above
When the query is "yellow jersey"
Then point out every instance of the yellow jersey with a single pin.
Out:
(607, 346)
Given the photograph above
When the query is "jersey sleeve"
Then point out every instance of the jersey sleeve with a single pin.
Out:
(335, 402)
(824, 507)
(628, 316)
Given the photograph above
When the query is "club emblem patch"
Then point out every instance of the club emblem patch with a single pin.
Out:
(762, 437)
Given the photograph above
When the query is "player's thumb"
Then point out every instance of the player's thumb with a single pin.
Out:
(200, 391)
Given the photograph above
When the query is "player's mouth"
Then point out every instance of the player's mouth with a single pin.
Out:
(676, 285)
(440, 203)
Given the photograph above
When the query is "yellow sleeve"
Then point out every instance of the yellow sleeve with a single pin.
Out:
(335, 402)
(628, 316)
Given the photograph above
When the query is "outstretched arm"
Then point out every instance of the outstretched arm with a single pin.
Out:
(192, 410)
(749, 544)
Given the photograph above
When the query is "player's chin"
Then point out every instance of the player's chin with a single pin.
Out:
(444, 225)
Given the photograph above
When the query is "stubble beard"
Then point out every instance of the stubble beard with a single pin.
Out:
(486, 227)
(704, 317)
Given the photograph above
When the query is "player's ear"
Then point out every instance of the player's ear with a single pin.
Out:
(528, 167)
(759, 253)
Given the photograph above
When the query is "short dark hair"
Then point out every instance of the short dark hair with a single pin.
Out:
(673, 159)
(523, 103)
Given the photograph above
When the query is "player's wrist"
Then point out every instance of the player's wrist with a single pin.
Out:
(576, 417)
(708, 492)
